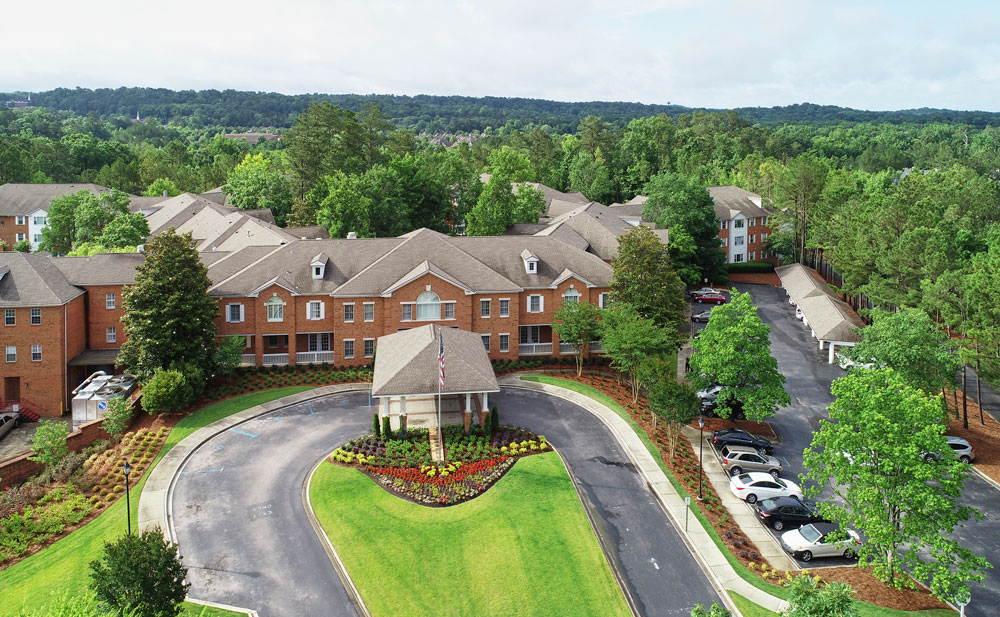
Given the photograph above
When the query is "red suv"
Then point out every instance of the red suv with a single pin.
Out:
(713, 298)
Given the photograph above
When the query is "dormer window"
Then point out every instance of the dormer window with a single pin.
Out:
(571, 295)
(530, 262)
(318, 266)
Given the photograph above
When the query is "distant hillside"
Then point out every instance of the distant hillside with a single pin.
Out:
(431, 114)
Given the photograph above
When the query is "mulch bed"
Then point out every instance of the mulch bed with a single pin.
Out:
(758, 278)
(684, 466)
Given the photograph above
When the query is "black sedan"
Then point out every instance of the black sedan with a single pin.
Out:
(785, 513)
(739, 437)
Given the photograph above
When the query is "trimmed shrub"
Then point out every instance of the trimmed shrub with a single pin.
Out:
(751, 267)
(166, 392)
(386, 428)
(376, 428)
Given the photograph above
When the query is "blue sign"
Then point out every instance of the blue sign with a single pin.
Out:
(102, 405)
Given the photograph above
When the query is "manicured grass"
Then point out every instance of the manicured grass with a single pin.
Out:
(64, 566)
(524, 548)
(865, 609)
(748, 608)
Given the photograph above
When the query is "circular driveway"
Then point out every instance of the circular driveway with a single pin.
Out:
(245, 537)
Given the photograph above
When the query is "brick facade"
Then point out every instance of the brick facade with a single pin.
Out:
(9, 229)
(100, 318)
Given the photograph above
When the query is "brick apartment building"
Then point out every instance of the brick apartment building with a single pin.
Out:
(24, 209)
(744, 224)
(306, 301)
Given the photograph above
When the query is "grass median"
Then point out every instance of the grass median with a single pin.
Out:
(63, 568)
(525, 547)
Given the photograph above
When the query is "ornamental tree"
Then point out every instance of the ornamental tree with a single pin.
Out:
(169, 316)
(140, 573)
(629, 338)
(117, 417)
(48, 446)
(675, 402)
(734, 351)
(577, 323)
(644, 277)
(871, 455)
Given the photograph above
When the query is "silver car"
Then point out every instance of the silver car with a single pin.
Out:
(737, 459)
(821, 540)
(961, 448)
(8, 422)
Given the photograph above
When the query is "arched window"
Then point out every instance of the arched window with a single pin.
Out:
(571, 295)
(275, 309)
(428, 305)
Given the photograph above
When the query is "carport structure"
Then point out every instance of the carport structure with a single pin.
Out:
(407, 374)
(829, 318)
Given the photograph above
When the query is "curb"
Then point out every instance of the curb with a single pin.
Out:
(331, 552)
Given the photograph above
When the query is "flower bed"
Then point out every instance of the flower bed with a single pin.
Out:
(403, 464)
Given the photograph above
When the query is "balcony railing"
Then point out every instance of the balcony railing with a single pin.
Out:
(534, 349)
(565, 348)
(248, 359)
(595, 347)
(275, 359)
(313, 357)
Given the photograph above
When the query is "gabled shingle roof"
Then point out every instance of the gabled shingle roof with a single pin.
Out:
(502, 254)
(828, 316)
(599, 225)
(102, 269)
(33, 280)
(406, 363)
(732, 200)
(23, 199)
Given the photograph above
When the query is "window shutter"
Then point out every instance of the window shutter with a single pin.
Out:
(322, 310)
(541, 304)
(241, 313)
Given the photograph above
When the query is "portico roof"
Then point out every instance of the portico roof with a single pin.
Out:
(830, 318)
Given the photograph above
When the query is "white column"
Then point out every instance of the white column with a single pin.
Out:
(383, 404)
(821, 343)
(812, 332)
(402, 406)
(468, 403)
(832, 346)
(486, 401)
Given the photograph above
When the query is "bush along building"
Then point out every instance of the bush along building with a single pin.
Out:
(303, 301)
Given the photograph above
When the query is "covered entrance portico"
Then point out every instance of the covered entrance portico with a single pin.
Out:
(407, 379)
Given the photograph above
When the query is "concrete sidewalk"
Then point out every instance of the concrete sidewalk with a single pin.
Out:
(699, 542)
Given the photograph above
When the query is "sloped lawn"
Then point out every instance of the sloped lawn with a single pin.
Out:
(525, 547)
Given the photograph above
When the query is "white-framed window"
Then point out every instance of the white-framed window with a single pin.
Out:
(318, 271)
(234, 313)
(532, 266)
(486, 341)
(604, 300)
(753, 221)
(738, 241)
(318, 341)
(725, 242)
(738, 258)
(315, 309)
(11, 353)
(36, 353)
(110, 300)
(348, 348)
(449, 310)
(505, 307)
(20, 220)
(571, 295)
(753, 255)
(111, 335)
(19, 237)
(38, 220)
(36, 316)
(724, 225)
(738, 223)
(753, 238)
(764, 219)
(37, 238)
(348, 312)
(407, 311)
(369, 348)
(484, 308)
(248, 339)
(275, 341)
(504, 343)
(275, 309)
(369, 308)
(530, 334)
(9, 317)
(536, 303)
(428, 305)
(763, 237)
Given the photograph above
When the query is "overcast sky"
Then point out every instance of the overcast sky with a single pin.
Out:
(868, 55)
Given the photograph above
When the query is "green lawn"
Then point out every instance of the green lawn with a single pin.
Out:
(748, 608)
(63, 567)
(524, 548)
(864, 608)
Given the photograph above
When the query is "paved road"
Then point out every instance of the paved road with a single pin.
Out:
(246, 540)
(808, 378)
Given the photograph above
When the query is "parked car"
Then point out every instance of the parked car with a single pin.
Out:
(709, 393)
(756, 485)
(702, 316)
(703, 290)
(8, 422)
(714, 298)
(739, 437)
(961, 448)
(785, 512)
(821, 540)
(737, 459)
(846, 363)
(708, 406)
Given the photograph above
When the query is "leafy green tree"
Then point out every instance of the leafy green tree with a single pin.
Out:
(871, 455)
(675, 402)
(117, 417)
(577, 323)
(644, 277)
(93, 213)
(806, 598)
(167, 391)
(60, 231)
(628, 338)
(797, 190)
(734, 351)
(324, 139)
(48, 446)
(716, 610)
(141, 573)
(124, 231)
(675, 200)
(374, 127)
(22, 246)
(162, 186)
(909, 342)
(229, 354)
(169, 316)
(505, 199)
(254, 183)
(302, 214)
(345, 208)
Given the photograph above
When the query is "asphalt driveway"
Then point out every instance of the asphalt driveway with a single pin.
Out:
(244, 535)
(807, 380)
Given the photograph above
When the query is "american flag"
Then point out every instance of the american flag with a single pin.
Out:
(441, 360)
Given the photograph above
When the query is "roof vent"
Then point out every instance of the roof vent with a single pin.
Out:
(352, 235)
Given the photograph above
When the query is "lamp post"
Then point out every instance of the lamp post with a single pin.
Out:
(127, 469)
(701, 451)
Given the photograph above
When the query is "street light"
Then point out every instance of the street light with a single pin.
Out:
(127, 469)
(701, 451)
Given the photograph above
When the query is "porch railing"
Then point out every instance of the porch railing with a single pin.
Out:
(275, 359)
(313, 357)
(534, 349)
(595, 347)
(566, 348)
(248, 359)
